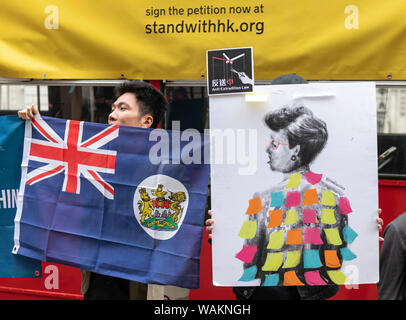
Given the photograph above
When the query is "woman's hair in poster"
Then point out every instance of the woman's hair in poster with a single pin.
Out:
(302, 128)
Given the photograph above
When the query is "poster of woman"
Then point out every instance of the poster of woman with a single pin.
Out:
(306, 215)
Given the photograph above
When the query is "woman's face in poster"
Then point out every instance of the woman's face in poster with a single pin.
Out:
(281, 157)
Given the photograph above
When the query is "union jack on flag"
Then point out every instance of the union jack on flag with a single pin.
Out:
(72, 156)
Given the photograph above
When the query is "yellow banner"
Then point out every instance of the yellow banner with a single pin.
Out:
(161, 39)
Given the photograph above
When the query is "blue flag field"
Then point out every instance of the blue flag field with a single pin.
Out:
(121, 201)
(11, 152)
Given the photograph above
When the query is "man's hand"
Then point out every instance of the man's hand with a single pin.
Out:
(28, 113)
(379, 222)
(210, 224)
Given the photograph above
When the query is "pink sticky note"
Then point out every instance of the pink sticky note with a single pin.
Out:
(313, 278)
(312, 236)
(292, 199)
(313, 178)
(344, 205)
(309, 216)
(247, 253)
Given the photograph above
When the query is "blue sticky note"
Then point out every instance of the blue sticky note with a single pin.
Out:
(349, 234)
(249, 274)
(271, 280)
(347, 254)
(311, 259)
(277, 199)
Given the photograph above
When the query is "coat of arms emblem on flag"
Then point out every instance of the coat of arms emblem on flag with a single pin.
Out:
(161, 208)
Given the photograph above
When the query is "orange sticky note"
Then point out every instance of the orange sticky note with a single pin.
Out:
(310, 197)
(294, 236)
(331, 259)
(255, 206)
(275, 218)
(291, 279)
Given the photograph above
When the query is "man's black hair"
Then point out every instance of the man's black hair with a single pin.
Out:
(149, 99)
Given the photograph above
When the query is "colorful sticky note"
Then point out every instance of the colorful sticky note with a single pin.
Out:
(292, 259)
(347, 254)
(290, 279)
(313, 178)
(249, 274)
(247, 253)
(349, 234)
(292, 199)
(344, 205)
(255, 206)
(310, 197)
(273, 261)
(311, 259)
(248, 229)
(275, 218)
(276, 240)
(327, 216)
(313, 278)
(337, 276)
(327, 198)
(331, 259)
(277, 199)
(271, 280)
(294, 180)
(291, 217)
(309, 216)
(333, 236)
(312, 236)
(294, 236)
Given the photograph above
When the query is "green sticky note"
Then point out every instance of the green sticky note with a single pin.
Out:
(291, 217)
(294, 180)
(276, 240)
(292, 259)
(327, 198)
(273, 261)
(248, 230)
(327, 216)
(333, 236)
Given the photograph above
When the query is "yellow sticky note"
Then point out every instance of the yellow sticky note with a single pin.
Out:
(276, 240)
(327, 198)
(248, 229)
(333, 236)
(294, 180)
(273, 261)
(327, 216)
(337, 276)
(292, 259)
(291, 217)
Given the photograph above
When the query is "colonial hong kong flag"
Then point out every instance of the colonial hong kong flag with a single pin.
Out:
(114, 200)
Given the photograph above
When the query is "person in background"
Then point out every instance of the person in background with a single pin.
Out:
(392, 261)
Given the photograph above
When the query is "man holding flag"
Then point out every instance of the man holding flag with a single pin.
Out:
(138, 104)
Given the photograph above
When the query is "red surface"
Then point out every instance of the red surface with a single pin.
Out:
(391, 200)
(57, 282)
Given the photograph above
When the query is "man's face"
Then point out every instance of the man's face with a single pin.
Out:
(125, 111)
(279, 153)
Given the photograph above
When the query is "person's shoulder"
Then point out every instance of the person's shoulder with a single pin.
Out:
(328, 183)
(395, 231)
(278, 187)
(399, 223)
